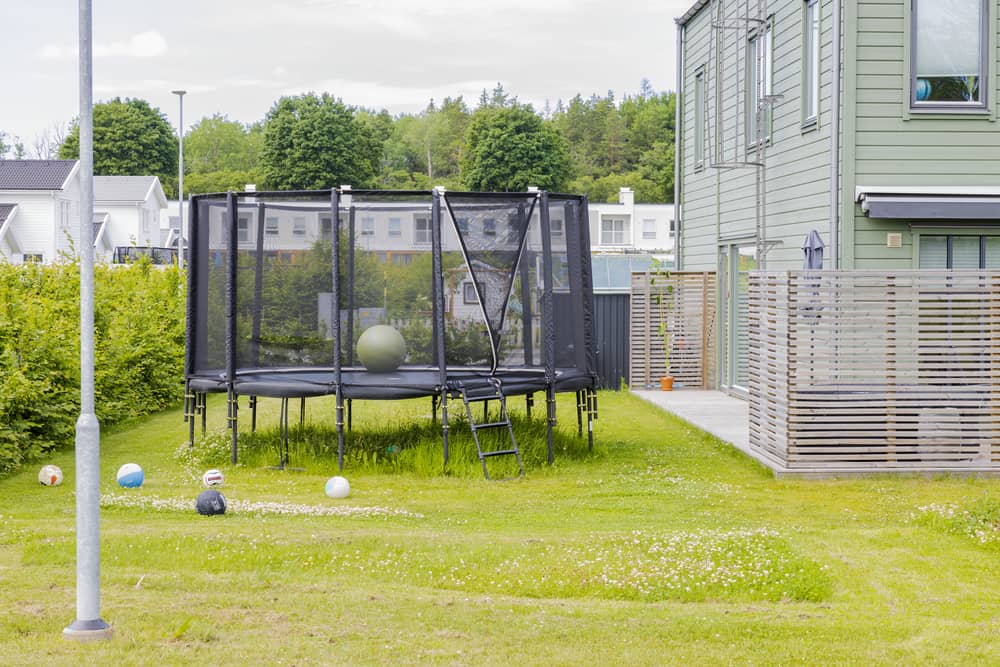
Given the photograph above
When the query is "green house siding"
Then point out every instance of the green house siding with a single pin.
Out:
(893, 146)
(719, 205)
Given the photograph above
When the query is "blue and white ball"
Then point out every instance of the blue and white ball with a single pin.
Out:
(337, 487)
(130, 476)
(50, 475)
(212, 477)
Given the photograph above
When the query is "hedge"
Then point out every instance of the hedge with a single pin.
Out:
(139, 350)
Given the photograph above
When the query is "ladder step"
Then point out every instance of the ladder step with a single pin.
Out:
(481, 398)
(490, 425)
(500, 452)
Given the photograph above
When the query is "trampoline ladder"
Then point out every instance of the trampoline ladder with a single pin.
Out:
(484, 394)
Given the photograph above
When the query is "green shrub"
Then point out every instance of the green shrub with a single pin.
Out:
(139, 350)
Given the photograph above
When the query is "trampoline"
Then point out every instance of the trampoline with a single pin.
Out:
(492, 293)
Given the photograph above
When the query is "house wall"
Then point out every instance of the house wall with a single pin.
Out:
(661, 217)
(34, 226)
(896, 147)
(719, 205)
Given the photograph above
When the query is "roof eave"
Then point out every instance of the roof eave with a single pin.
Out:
(690, 14)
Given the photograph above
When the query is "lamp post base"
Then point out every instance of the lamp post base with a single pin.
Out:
(88, 631)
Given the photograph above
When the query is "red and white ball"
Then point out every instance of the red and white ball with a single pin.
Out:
(50, 475)
(212, 477)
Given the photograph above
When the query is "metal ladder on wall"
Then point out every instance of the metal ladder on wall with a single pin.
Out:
(490, 391)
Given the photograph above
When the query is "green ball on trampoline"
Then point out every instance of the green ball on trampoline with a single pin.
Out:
(381, 348)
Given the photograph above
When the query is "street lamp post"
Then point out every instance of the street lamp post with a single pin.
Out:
(180, 180)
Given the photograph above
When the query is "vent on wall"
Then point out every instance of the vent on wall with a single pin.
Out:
(894, 240)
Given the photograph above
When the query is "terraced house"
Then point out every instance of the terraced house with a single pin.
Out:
(872, 123)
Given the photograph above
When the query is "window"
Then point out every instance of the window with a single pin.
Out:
(612, 231)
(64, 214)
(271, 227)
(421, 229)
(33, 258)
(948, 53)
(556, 227)
(469, 295)
(242, 229)
(810, 64)
(462, 224)
(489, 227)
(759, 84)
(402, 260)
(959, 252)
(368, 226)
(326, 229)
(699, 118)
(649, 228)
(299, 226)
(395, 227)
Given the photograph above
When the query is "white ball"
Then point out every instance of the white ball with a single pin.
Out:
(212, 477)
(337, 487)
(50, 475)
(130, 476)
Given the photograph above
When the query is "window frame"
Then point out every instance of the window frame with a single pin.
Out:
(298, 226)
(812, 58)
(421, 236)
(395, 226)
(919, 232)
(612, 219)
(765, 31)
(272, 226)
(700, 118)
(985, 49)
(648, 235)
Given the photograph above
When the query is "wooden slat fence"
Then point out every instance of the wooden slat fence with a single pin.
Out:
(863, 370)
(686, 301)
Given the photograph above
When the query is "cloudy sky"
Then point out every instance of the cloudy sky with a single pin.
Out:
(236, 57)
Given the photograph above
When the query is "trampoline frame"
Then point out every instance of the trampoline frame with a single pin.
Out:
(449, 381)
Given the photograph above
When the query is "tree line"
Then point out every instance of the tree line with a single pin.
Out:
(592, 146)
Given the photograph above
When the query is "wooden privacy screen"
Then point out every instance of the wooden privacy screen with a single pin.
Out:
(686, 301)
(863, 370)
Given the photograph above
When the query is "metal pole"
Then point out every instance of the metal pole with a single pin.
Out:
(88, 624)
(180, 180)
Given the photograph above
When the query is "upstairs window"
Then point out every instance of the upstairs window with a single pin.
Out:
(948, 53)
(699, 118)
(299, 226)
(271, 227)
(395, 227)
(648, 228)
(367, 226)
(421, 229)
(810, 66)
(612, 231)
(759, 84)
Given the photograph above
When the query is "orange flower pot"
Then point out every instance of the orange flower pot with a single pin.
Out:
(666, 383)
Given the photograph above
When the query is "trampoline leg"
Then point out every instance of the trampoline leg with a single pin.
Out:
(434, 409)
(591, 412)
(233, 410)
(579, 414)
(283, 429)
(550, 404)
(350, 414)
(253, 414)
(486, 411)
(529, 401)
(203, 399)
(444, 425)
(302, 412)
(340, 430)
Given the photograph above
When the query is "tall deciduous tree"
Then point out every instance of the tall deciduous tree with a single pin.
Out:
(216, 143)
(131, 138)
(314, 142)
(509, 148)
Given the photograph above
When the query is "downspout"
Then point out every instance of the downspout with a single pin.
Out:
(678, 153)
(835, 140)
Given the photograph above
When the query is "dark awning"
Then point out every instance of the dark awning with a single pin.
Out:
(931, 207)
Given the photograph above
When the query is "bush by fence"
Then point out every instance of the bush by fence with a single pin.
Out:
(139, 334)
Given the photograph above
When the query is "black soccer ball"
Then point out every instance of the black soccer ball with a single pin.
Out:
(211, 502)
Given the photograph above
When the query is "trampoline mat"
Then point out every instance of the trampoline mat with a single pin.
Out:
(359, 383)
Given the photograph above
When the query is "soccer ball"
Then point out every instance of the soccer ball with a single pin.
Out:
(212, 477)
(50, 475)
(130, 476)
(337, 487)
(210, 502)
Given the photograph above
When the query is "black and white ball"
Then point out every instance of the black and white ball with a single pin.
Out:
(212, 477)
(211, 502)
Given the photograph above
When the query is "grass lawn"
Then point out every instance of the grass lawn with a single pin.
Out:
(663, 546)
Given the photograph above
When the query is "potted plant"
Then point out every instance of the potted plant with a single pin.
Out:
(664, 302)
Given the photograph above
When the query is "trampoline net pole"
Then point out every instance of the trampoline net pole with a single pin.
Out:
(440, 354)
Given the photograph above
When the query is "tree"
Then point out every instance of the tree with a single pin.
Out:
(315, 142)
(218, 144)
(131, 138)
(510, 148)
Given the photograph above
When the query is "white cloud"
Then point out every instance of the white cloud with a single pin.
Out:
(130, 88)
(146, 44)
